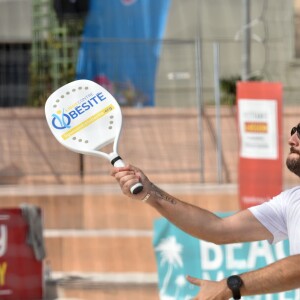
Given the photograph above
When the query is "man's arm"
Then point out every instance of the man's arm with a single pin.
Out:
(280, 276)
(283, 275)
(196, 221)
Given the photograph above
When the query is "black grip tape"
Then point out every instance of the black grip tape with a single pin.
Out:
(115, 159)
(137, 190)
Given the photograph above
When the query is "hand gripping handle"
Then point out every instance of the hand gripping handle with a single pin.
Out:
(118, 162)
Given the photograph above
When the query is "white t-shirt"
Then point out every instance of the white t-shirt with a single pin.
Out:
(281, 216)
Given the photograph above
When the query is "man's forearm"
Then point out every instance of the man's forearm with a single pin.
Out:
(280, 276)
(191, 219)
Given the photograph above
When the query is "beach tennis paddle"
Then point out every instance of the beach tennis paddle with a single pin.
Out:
(84, 117)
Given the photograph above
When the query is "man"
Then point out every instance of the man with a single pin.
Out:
(274, 221)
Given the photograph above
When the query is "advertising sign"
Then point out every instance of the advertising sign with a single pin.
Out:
(20, 272)
(179, 254)
(258, 128)
(259, 124)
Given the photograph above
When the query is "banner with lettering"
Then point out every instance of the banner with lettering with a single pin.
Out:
(120, 47)
(260, 131)
(179, 254)
(20, 272)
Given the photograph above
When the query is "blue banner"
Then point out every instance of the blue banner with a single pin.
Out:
(179, 254)
(121, 47)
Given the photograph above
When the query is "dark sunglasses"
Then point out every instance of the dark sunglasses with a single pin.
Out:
(296, 129)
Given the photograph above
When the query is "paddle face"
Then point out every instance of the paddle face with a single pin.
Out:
(84, 117)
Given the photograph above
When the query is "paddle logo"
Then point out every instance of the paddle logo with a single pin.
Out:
(62, 119)
(61, 122)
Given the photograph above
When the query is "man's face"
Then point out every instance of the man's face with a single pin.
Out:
(293, 159)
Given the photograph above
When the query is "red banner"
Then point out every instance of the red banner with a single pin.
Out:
(20, 272)
(260, 131)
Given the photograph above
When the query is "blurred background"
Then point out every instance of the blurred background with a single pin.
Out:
(172, 65)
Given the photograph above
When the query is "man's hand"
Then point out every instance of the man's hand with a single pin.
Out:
(127, 177)
(211, 290)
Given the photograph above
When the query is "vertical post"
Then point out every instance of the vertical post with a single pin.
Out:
(246, 40)
(200, 106)
(217, 105)
(81, 167)
(198, 78)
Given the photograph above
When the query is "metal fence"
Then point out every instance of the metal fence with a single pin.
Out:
(179, 119)
(179, 140)
(14, 74)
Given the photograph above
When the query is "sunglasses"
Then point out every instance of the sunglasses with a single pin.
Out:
(296, 129)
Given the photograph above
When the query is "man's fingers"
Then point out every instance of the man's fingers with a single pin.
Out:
(128, 181)
(193, 280)
(115, 170)
(121, 174)
(127, 177)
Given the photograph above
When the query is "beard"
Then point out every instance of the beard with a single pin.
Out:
(293, 162)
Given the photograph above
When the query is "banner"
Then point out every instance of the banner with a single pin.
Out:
(179, 254)
(260, 131)
(121, 47)
(20, 272)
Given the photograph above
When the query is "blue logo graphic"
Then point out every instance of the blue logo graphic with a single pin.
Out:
(61, 122)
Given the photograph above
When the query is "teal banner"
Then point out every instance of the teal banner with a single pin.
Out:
(179, 254)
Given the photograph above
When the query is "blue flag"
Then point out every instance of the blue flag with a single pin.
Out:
(121, 47)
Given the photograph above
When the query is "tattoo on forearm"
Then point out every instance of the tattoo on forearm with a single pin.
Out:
(162, 195)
